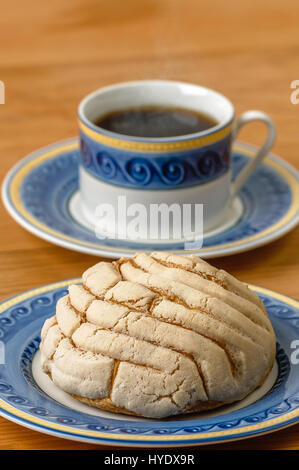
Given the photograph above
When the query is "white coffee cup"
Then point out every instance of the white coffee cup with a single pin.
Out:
(187, 169)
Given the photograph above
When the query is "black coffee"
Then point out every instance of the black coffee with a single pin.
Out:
(155, 121)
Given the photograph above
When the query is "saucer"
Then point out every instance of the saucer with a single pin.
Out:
(41, 194)
(29, 398)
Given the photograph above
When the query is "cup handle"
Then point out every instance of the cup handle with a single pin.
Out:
(251, 116)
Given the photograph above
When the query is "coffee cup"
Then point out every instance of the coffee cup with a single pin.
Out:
(181, 169)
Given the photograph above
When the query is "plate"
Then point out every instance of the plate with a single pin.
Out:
(41, 194)
(27, 398)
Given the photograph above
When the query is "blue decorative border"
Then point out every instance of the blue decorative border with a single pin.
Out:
(46, 191)
(276, 211)
(155, 171)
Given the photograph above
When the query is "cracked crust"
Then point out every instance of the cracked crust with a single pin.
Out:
(158, 335)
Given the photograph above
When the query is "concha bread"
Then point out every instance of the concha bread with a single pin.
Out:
(158, 335)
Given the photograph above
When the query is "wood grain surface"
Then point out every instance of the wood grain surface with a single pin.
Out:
(53, 53)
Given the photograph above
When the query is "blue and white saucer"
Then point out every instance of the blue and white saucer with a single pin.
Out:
(28, 397)
(41, 194)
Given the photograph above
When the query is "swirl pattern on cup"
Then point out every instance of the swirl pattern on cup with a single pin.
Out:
(155, 171)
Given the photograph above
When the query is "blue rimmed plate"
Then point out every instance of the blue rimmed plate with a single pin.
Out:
(29, 398)
(41, 194)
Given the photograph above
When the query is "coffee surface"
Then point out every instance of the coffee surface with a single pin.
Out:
(155, 121)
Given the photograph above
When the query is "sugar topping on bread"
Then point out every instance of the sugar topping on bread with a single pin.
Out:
(158, 335)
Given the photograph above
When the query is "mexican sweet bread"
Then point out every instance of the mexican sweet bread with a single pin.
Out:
(158, 335)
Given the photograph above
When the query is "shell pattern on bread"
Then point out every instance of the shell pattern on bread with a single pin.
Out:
(158, 335)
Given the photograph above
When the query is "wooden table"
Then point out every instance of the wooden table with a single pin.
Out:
(53, 53)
